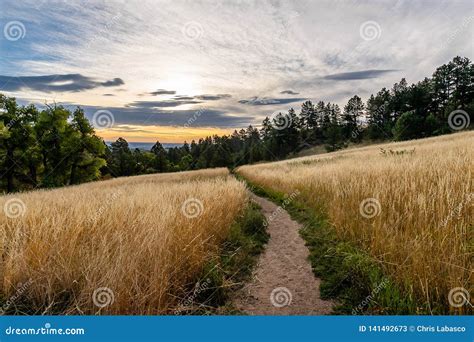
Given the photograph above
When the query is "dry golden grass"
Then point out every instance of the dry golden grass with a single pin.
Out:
(423, 233)
(129, 235)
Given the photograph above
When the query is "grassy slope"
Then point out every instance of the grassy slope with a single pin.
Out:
(221, 276)
(348, 274)
(228, 271)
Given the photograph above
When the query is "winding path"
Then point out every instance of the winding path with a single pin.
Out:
(283, 282)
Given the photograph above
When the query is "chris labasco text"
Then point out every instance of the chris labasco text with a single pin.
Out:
(439, 328)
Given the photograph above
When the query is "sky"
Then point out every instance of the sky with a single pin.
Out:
(180, 70)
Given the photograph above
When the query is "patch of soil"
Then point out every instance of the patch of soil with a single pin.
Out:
(283, 282)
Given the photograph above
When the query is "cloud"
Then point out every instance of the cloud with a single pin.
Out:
(258, 47)
(162, 104)
(113, 83)
(184, 97)
(163, 92)
(54, 83)
(152, 116)
(358, 75)
(289, 92)
(108, 94)
(213, 97)
(204, 97)
(265, 101)
(179, 100)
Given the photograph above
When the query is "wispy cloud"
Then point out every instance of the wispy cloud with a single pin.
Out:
(265, 101)
(161, 104)
(162, 92)
(147, 116)
(213, 97)
(357, 75)
(289, 92)
(266, 54)
(54, 83)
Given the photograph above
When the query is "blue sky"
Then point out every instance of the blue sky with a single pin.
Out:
(176, 70)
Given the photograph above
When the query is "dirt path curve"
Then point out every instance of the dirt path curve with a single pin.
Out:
(283, 282)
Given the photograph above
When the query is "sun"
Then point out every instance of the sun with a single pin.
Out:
(181, 83)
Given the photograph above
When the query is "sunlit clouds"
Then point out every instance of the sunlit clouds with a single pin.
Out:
(156, 63)
(167, 134)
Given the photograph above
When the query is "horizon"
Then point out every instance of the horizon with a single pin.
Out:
(190, 74)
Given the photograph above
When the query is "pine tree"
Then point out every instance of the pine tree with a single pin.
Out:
(353, 112)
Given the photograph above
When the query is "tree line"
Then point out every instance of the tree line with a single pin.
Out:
(56, 147)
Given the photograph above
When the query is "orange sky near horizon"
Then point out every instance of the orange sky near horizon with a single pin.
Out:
(164, 134)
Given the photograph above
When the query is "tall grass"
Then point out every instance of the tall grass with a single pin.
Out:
(409, 205)
(135, 244)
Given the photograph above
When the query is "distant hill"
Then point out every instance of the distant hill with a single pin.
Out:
(146, 146)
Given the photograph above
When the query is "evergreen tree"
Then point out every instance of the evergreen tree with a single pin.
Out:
(83, 149)
(122, 159)
(160, 163)
(353, 112)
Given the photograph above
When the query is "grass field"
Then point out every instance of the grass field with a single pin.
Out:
(407, 204)
(130, 245)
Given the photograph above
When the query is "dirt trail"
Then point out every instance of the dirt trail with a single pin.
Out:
(283, 282)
